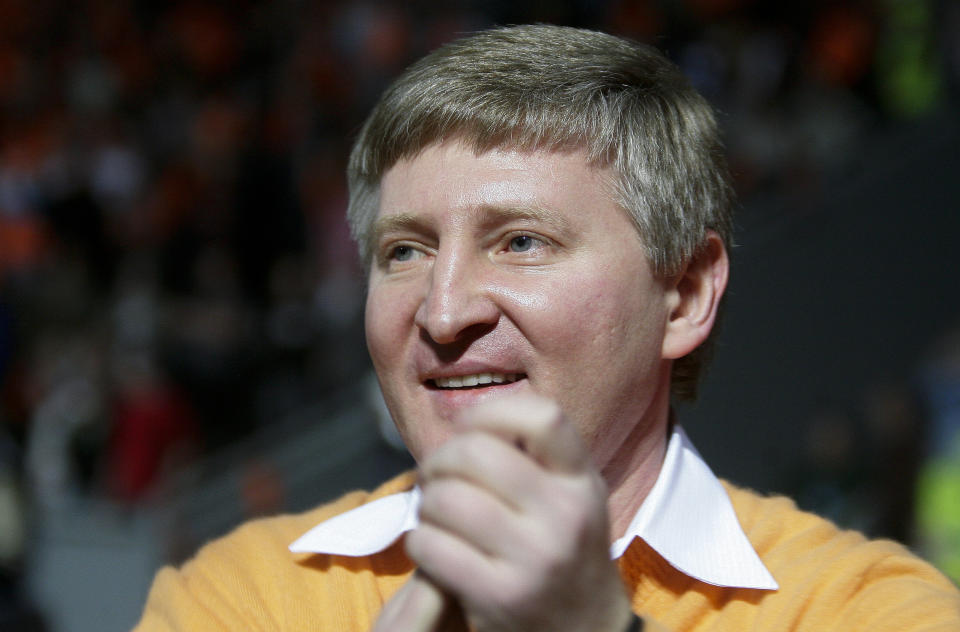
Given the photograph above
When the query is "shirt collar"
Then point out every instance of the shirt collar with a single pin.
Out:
(687, 518)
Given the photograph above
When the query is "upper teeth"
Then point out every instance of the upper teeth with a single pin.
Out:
(473, 380)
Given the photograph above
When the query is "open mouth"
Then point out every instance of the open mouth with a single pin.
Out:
(477, 380)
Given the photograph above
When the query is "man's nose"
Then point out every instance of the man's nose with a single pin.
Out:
(457, 300)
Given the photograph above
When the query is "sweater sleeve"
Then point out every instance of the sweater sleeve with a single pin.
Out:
(896, 592)
(174, 606)
(834, 580)
(851, 584)
(249, 580)
(223, 588)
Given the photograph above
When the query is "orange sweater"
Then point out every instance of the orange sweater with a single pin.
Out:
(829, 580)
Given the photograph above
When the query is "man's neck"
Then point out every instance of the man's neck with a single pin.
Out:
(630, 479)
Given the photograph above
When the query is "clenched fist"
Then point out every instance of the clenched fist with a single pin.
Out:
(513, 529)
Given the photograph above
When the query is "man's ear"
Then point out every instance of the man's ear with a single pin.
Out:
(694, 298)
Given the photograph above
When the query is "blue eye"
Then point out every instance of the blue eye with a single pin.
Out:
(521, 243)
(402, 253)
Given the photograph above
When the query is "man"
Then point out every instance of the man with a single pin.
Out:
(545, 216)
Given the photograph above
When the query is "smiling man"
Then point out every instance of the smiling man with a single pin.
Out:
(545, 217)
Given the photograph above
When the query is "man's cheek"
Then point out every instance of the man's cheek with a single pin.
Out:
(384, 338)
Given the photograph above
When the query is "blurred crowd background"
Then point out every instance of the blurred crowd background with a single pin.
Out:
(181, 340)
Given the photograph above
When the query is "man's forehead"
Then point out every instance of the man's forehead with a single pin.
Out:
(506, 153)
(492, 173)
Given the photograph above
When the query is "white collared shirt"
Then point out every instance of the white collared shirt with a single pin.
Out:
(686, 518)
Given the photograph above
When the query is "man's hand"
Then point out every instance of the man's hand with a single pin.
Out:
(513, 524)
(420, 606)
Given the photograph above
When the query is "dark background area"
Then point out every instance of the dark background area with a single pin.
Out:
(833, 303)
(181, 343)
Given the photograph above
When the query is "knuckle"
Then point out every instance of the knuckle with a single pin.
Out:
(547, 414)
(441, 498)
(472, 449)
(469, 449)
(414, 545)
(463, 453)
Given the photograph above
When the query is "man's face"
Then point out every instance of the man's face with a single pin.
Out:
(510, 272)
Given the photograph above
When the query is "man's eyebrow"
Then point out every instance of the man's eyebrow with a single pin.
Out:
(396, 223)
(494, 214)
(488, 215)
